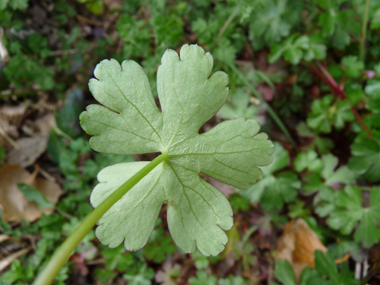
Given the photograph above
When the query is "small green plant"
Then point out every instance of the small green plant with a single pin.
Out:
(130, 195)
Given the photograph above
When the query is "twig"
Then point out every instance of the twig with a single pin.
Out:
(365, 188)
(90, 21)
(330, 79)
(342, 259)
(339, 91)
(63, 52)
(8, 139)
(20, 94)
(364, 31)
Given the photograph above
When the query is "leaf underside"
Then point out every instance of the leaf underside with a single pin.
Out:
(129, 122)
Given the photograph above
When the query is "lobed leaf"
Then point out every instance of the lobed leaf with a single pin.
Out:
(131, 123)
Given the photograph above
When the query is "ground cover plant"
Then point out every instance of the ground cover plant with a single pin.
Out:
(307, 71)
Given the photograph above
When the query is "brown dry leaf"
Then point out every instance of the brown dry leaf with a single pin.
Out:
(30, 149)
(4, 263)
(297, 245)
(14, 204)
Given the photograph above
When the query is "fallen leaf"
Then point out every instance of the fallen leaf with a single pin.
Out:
(15, 206)
(3, 238)
(297, 245)
(4, 263)
(30, 148)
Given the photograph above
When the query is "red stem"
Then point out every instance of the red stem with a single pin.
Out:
(338, 90)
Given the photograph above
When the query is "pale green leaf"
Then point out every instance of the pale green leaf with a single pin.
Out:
(131, 123)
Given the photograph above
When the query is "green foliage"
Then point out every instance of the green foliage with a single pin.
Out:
(352, 66)
(32, 194)
(296, 48)
(349, 211)
(327, 112)
(225, 152)
(203, 279)
(275, 190)
(142, 277)
(272, 22)
(337, 23)
(22, 70)
(240, 107)
(273, 45)
(307, 160)
(158, 250)
(327, 272)
(366, 158)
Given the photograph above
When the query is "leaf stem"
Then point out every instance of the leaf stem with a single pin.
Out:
(364, 31)
(225, 26)
(326, 77)
(59, 258)
(271, 112)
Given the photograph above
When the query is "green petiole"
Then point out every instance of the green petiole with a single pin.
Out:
(63, 253)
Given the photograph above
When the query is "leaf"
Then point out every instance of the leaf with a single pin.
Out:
(307, 160)
(274, 21)
(158, 250)
(325, 264)
(366, 158)
(32, 194)
(340, 175)
(296, 246)
(295, 48)
(322, 183)
(31, 148)
(3, 4)
(131, 123)
(203, 279)
(15, 205)
(284, 272)
(353, 67)
(168, 273)
(19, 4)
(232, 280)
(240, 107)
(326, 113)
(325, 267)
(373, 90)
(337, 23)
(349, 212)
(274, 190)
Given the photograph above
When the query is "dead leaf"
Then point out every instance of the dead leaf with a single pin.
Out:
(14, 204)
(297, 245)
(8, 260)
(30, 149)
(3, 238)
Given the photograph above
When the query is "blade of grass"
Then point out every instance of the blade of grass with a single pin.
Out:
(364, 31)
(271, 112)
